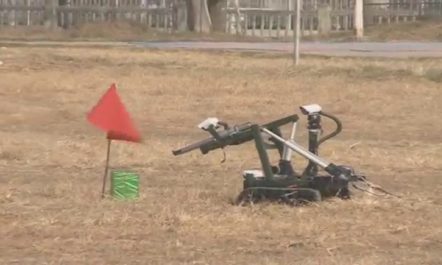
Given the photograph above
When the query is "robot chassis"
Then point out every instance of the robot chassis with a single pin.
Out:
(282, 183)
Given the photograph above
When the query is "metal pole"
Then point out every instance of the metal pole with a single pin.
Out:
(106, 168)
(359, 19)
(287, 153)
(28, 13)
(290, 16)
(299, 149)
(296, 31)
(259, 144)
(201, 15)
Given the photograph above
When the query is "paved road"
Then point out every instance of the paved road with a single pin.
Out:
(369, 49)
(373, 49)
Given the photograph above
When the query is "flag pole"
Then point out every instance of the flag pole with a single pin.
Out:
(106, 168)
(296, 31)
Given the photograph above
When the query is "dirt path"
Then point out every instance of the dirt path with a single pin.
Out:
(357, 49)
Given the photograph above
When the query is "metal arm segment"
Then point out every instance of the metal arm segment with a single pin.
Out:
(340, 173)
(287, 154)
(192, 147)
(299, 149)
(233, 136)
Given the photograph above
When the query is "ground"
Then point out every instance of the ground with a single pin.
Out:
(52, 159)
(423, 30)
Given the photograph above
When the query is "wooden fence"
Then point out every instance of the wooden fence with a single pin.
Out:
(396, 11)
(157, 14)
(327, 16)
(265, 18)
(259, 18)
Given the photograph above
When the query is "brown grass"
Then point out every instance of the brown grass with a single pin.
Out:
(52, 160)
(111, 31)
(430, 30)
(424, 30)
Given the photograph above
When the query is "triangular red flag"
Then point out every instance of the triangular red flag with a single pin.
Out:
(111, 116)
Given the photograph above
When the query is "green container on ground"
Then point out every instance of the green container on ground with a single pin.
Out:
(124, 185)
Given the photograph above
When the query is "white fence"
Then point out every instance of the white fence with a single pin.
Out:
(266, 18)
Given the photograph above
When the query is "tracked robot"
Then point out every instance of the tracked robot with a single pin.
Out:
(282, 182)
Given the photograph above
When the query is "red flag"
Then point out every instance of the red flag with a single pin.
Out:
(111, 116)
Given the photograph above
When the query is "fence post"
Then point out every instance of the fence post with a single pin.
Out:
(359, 19)
(50, 14)
(28, 13)
(288, 24)
(12, 14)
(181, 16)
(324, 19)
(113, 14)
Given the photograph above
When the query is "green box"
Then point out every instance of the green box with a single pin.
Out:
(124, 185)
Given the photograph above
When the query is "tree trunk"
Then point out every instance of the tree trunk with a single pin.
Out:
(217, 14)
(199, 15)
(206, 15)
(182, 16)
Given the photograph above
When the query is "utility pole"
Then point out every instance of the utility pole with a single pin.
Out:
(50, 14)
(296, 31)
(359, 19)
(201, 16)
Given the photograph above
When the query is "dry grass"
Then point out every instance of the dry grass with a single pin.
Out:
(422, 30)
(425, 30)
(51, 159)
(110, 31)
(430, 30)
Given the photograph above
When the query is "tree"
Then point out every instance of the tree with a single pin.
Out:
(205, 15)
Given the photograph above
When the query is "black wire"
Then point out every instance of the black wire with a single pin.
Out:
(224, 156)
(375, 187)
(335, 132)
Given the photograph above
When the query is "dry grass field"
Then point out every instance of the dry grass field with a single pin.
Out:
(423, 30)
(51, 159)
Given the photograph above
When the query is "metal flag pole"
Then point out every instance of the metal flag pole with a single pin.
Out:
(201, 16)
(296, 31)
(106, 168)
